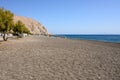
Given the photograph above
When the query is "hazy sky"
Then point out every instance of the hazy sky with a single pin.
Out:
(70, 16)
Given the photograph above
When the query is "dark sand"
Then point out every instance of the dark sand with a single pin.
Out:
(43, 58)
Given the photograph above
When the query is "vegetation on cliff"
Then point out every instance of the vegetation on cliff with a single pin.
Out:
(19, 27)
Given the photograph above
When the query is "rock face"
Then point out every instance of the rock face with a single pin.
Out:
(34, 26)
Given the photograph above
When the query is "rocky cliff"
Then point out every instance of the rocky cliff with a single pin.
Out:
(34, 26)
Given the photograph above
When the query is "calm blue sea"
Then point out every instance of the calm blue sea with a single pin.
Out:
(104, 38)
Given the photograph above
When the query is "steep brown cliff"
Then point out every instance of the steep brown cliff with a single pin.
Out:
(34, 26)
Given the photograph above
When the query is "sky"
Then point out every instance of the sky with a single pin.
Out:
(70, 16)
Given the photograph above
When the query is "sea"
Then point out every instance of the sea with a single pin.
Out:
(103, 38)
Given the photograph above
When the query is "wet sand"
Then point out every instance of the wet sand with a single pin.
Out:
(44, 58)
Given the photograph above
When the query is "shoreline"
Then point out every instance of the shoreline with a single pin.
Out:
(113, 44)
(68, 37)
(109, 44)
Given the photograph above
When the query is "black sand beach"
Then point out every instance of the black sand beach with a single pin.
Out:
(44, 58)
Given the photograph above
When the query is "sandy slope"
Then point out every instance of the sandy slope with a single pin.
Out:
(42, 58)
